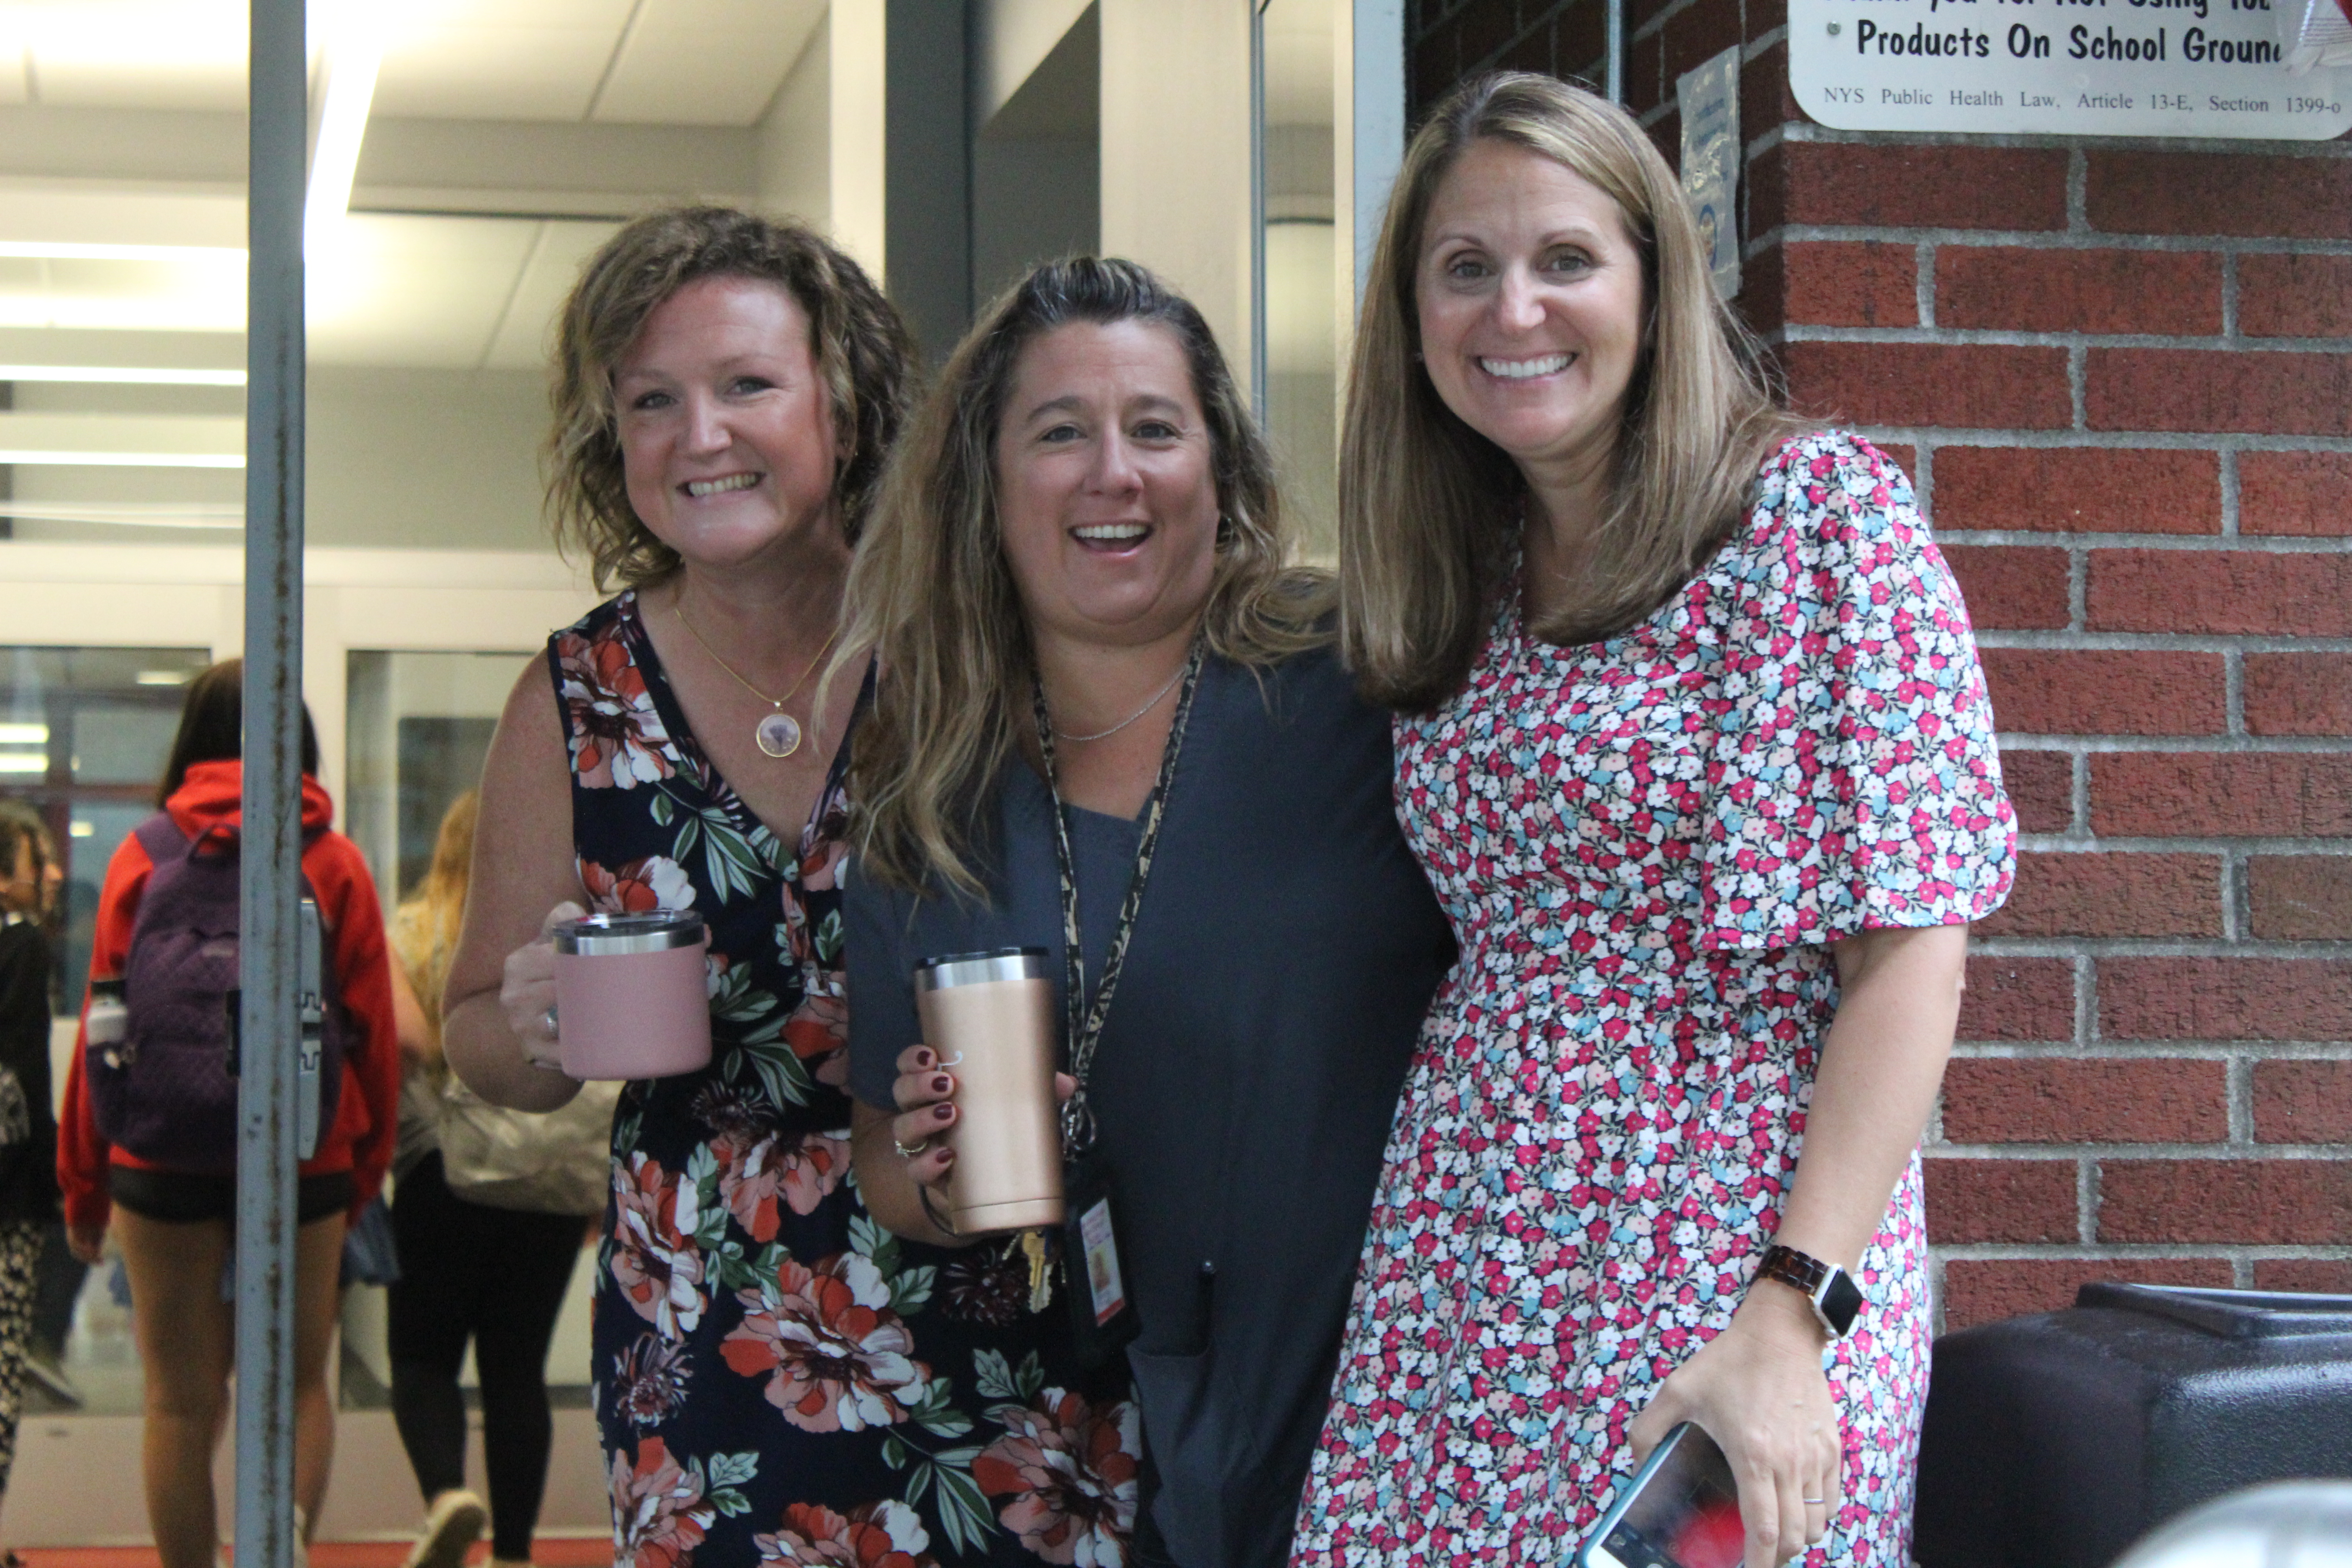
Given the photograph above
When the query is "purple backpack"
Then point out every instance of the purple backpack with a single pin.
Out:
(167, 1093)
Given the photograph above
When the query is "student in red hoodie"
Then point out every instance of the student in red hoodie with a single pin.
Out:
(174, 1225)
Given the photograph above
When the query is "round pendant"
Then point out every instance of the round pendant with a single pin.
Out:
(778, 735)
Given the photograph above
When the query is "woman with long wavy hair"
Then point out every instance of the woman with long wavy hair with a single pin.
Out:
(1110, 725)
(1693, 742)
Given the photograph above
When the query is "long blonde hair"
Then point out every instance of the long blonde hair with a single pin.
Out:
(861, 347)
(931, 596)
(425, 928)
(1428, 506)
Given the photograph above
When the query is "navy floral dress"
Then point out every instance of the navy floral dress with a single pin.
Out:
(778, 1379)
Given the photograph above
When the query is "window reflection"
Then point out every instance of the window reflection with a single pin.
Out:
(1300, 284)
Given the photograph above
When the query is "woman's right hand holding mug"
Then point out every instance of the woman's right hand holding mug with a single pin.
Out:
(527, 993)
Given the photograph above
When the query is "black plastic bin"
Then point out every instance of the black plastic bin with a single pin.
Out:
(2058, 1440)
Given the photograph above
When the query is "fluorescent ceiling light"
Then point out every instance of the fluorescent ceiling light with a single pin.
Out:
(24, 763)
(76, 250)
(130, 514)
(124, 375)
(164, 676)
(354, 54)
(78, 829)
(126, 459)
(24, 735)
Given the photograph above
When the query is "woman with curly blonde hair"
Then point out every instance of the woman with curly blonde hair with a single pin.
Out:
(770, 1369)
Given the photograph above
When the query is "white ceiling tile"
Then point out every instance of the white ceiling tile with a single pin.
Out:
(526, 335)
(492, 73)
(146, 54)
(706, 62)
(399, 289)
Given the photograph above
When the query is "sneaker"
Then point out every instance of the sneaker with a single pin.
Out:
(452, 1525)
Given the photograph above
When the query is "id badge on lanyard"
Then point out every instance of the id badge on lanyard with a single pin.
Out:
(1103, 1317)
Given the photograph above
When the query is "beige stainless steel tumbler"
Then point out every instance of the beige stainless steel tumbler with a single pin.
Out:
(989, 1018)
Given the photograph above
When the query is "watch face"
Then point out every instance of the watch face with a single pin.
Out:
(1840, 1302)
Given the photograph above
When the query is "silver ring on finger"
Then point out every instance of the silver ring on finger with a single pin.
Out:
(911, 1151)
(547, 1022)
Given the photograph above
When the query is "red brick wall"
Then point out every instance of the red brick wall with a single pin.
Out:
(2120, 374)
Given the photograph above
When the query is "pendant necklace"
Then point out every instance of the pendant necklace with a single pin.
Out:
(778, 734)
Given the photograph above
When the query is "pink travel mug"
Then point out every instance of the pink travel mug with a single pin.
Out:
(630, 999)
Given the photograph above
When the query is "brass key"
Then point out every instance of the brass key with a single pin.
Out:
(1041, 1276)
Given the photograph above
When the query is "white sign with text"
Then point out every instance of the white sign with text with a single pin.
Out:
(2069, 68)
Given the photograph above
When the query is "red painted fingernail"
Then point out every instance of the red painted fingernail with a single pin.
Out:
(922, 1059)
(942, 1112)
(941, 1084)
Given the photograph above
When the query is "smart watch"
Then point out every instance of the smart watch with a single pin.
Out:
(1836, 1298)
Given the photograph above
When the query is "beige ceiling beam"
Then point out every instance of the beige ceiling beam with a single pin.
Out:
(123, 440)
(98, 157)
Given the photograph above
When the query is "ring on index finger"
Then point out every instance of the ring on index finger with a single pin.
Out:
(911, 1151)
(547, 1022)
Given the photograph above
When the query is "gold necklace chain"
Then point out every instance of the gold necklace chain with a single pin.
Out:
(678, 608)
(779, 733)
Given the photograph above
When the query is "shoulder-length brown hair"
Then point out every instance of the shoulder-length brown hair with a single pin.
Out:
(861, 345)
(1428, 507)
(931, 595)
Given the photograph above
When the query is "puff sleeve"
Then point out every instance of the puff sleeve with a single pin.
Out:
(1853, 781)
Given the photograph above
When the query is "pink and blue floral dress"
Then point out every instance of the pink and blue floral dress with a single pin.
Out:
(1646, 845)
(777, 1378)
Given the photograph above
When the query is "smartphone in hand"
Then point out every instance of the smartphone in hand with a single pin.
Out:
(1681, 1511)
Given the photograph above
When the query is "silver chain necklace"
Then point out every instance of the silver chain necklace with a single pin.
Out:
(1123, 723)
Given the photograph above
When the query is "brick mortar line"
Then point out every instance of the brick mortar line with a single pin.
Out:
(2057, 538)
(2010, 1050)
(2233, 688)
(2252, 845)
(2238, 1094)
(2078, 595)
(2230, 745)
(2078, 191)
(2078, 796)
(2110, 440)
(2003, 337)
(1657, 24)
(2051, 1153)
(2127, 1251)
(1813, 130)
(2087, 1029)
(2156, 1050)
(2224, 643)
(1941, 236)
(2086, 1201)
(2229, 294)
(2230, 511)
(2315, 950)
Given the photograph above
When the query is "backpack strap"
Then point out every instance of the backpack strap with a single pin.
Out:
(161, 839)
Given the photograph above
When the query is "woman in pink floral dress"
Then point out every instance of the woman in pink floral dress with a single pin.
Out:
(1695, 747)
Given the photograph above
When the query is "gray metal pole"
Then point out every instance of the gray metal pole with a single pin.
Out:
(1613, 67)
(269, 930)
(1260, 387)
